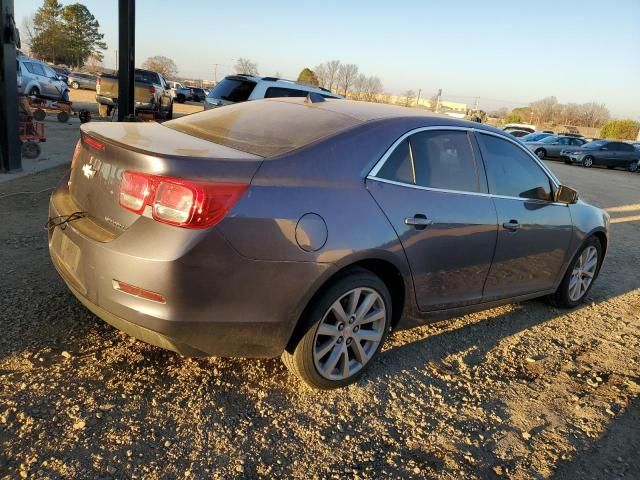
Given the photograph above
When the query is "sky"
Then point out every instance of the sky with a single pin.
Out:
(505, 53)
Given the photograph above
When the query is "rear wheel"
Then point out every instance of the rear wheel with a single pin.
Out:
(63, 117)
(580, 275)
(30, 150)
(347, 325)
(610, 167)
(541, 153)
(75, 85)
(180, 98)
(587, 161)
(39, 115)
(170, 112)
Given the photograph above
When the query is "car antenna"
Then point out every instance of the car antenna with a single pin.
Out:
(313, 97)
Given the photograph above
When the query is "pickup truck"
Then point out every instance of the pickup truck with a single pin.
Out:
(152, 94)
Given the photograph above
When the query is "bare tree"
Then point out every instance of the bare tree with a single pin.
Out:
(163, 65)
(543, 109)
(409, 98)
(333, 67)
(26, 32)
(358, 88)
(346, 76)
(246, 66)
(593, 114)
(373, 88)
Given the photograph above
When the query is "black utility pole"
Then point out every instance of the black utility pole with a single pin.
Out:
(126, 63)
(10, 160)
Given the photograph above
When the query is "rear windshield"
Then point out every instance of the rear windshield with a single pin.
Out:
(147, 77)
(233, 90)
(264, 127)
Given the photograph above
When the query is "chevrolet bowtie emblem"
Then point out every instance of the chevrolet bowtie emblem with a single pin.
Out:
(89, 170)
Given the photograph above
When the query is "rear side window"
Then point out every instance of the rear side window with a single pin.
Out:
(625, 147)
(511, 172)
(436, 159)
(34, 68)
(274, 92)
(233, 90)
(399, 165)
(147, 77)
(577, 142)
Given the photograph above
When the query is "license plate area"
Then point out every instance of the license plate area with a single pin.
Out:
(68, 257)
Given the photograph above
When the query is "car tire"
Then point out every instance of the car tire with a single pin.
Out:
(34, 92)
(568, 162)
(325, 357)
(633, 166)
(541, 153)
(39, 115)
(63, 117)
(610, 167)
(75, 85)
(587, 161)
(566, 295)
(30, 150)
(169, 115)
(180, 98)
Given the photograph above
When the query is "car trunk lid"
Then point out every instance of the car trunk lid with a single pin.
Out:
(107, 150)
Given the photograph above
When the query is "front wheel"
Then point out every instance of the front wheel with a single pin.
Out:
(633, 167)
(180, 98)
(347, 325)
(75, 85)
(587, 162)
(541, 153)
(580, 275)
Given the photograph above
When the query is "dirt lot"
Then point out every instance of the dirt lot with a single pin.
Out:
(522, 391)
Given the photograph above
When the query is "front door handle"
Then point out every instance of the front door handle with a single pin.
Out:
(419, 221)
(511, 225)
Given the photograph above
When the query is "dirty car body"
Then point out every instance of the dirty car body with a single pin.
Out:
(305, 193)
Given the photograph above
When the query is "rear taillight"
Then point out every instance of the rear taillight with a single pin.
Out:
(93, 143)
(76, 154)
(152, 89)
(98, 81)
(135, 190)
(183, 203)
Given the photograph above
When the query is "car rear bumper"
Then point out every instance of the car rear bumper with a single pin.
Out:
(112, 102)
(217, 301)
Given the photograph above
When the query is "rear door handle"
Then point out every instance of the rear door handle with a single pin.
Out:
(511, 225)
(419, 221)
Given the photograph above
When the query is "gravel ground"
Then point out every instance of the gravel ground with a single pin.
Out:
(522, 391)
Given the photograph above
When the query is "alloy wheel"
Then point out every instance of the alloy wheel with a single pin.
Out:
(633, 167)
(587, 162)
(541, 154)
(583, 273)
(349, 333)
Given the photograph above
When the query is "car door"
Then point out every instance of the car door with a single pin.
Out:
(556, 147)
(606, 155)
(533, 231)
(54, 86)
(622, 155)
(432, 188)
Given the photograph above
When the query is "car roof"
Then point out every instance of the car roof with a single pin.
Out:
(283, 82)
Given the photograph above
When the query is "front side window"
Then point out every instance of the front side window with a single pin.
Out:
(439, 159)
(511, 172)
(275, 92)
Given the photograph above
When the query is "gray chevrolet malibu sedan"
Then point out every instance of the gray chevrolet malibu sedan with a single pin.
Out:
(310, 228)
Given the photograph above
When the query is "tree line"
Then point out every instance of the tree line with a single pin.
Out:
(549, 111)
(68, 35)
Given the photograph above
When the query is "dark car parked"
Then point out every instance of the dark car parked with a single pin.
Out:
(314, 233)
(82, 80)
(607, 153)
(553, 145)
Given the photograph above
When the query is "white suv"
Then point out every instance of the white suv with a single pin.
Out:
(38, 78)
(241, 87)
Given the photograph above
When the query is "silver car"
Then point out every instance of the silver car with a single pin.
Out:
(39, 79)
(551, 146)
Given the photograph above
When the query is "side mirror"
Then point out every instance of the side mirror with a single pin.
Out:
(565, 194)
